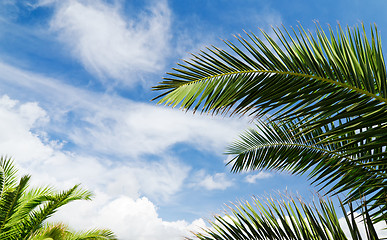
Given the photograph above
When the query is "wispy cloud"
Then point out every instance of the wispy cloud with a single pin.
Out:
(109, 124)
(111, 45)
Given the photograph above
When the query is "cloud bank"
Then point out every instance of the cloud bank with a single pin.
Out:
(113, 138)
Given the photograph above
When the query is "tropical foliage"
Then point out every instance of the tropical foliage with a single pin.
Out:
(23, 211)
(321, 99)
(288, 218)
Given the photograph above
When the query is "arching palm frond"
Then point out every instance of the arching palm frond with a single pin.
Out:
(290, 219)
(336, 82)
(285, 148)
(95, 234)
(7, 174)
(48, 207)
(56, 231)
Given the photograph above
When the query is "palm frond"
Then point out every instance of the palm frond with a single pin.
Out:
(285, 148)
(9, 203)
(36, 217)
(57, 231)
(287, 218)
(95, 234)
(7, 174)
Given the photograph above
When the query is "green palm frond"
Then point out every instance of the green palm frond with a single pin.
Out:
(37, 216)
(287, 218)
(9, 203)
(56, 231)
(95, 234)
(303, 71)
(7, 174)
(283, 148)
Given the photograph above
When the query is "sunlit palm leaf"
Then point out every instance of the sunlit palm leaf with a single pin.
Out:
(287, 218)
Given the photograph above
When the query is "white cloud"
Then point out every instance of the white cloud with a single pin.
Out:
(118, 186)
(16, 122)
(122, 129)
(113, 125)
(254, 177)
(138, 128)
(110, 44)
(128, 218)
(218, 181)
(380, 227)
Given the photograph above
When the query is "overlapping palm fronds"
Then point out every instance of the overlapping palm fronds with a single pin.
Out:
(23, 212)
(325, 92)
(289, 219)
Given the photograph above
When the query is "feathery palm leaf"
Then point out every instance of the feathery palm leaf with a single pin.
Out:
(287, 218)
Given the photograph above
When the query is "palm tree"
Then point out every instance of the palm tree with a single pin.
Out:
(24, 212)
(320, 101)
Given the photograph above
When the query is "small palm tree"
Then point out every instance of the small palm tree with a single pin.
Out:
(23, 212)
(321, 101)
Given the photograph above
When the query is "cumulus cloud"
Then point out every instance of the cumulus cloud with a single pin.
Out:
(129, 218)
(111, 45)
(23, 137)
(253, 178)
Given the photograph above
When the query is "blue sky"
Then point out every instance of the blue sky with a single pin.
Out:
(75, 91)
